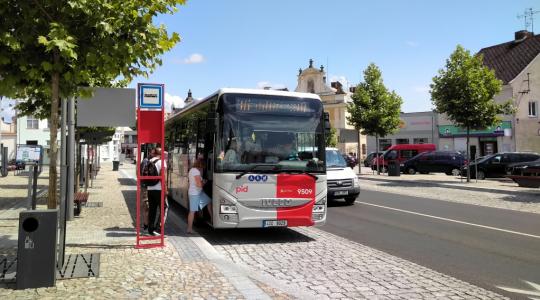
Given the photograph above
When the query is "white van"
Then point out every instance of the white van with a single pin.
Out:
(342, 181)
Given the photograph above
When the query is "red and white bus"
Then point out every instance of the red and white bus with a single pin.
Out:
(277, 175)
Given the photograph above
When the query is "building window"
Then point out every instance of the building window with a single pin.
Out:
(532, 109)
(384, 144)
(311, 86)
(420, 140)
(32, 123)
(402, 141)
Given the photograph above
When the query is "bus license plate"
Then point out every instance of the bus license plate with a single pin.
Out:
(341, 193)
(274, 223)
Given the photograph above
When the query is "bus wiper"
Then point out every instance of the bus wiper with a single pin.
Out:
(252, 168)
(299, 172)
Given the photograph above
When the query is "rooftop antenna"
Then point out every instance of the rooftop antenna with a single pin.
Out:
(528, 18)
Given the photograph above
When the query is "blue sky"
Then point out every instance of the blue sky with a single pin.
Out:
(245, 43)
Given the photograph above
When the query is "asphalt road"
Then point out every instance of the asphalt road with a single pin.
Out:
(484, 246)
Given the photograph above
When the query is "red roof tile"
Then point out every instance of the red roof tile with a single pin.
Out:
(509, 59)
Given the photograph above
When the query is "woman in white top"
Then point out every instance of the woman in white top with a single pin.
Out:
(197, 198)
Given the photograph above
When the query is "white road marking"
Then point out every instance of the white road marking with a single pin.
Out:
(452, 220)
(534, 292)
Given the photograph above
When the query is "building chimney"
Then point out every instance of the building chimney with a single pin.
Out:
(521, 35)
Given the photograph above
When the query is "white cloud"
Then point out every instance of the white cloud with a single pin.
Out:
(274, 86)
(195, 58)
(172, 99)
(411, 44)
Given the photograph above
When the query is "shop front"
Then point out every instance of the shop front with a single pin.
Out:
(490, 140)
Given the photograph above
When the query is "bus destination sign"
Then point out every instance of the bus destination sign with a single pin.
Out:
(259, 105)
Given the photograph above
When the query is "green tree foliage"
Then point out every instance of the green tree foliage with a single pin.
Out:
(464, 91)
(52, 50)
(331, 138)
(374, 110)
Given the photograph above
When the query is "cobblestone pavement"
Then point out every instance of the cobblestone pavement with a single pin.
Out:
(178, 271)
(312, 264)
(302, 263)
(498, 193)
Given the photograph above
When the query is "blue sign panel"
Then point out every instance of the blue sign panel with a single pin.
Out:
(151, 96)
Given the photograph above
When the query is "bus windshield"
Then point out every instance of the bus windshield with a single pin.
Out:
(285, 133)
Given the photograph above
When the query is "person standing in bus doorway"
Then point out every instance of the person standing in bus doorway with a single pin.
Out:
(154, 192)
(197, 198)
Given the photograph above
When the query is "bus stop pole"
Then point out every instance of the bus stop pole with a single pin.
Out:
(71, 159)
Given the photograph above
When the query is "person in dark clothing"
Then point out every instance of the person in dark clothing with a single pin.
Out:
(154, 192)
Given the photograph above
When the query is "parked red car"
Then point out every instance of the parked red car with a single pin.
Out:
(400, 153)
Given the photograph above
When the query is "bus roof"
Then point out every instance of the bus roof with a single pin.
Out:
(247, 91)
(266, 92)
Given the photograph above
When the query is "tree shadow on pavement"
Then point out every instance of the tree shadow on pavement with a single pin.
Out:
(13, 203)
(21, 187)
(127, 181)
(131, 201)
(99, 246)
(120, 232)
(8, 245)
(533, 198)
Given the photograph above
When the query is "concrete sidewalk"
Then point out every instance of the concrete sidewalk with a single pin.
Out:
(186, 268)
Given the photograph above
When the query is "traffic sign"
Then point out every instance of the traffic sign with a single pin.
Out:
(151, 96)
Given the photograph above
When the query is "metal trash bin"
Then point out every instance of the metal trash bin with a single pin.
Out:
(393, 168)
(115, 165)
(36, 252)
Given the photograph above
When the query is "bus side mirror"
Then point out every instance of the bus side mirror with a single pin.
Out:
(327, 126)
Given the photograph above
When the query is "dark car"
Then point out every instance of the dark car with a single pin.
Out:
(496, 165)
(17, 164)
(448, 162)
(370, 157)
(523, 168)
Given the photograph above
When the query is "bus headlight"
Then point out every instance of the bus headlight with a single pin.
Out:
(318, 208)
(321, 201)
(228, 209)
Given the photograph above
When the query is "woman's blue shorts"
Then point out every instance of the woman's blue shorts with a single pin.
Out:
(198, 202)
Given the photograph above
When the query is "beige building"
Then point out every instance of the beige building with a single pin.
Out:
(335, 100)
(517, 64)
(8, 137)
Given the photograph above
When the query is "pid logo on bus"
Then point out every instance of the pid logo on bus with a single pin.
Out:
(258, 178)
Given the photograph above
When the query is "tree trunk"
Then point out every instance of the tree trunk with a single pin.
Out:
(469, 168)
(53, 153)
(377, 154)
